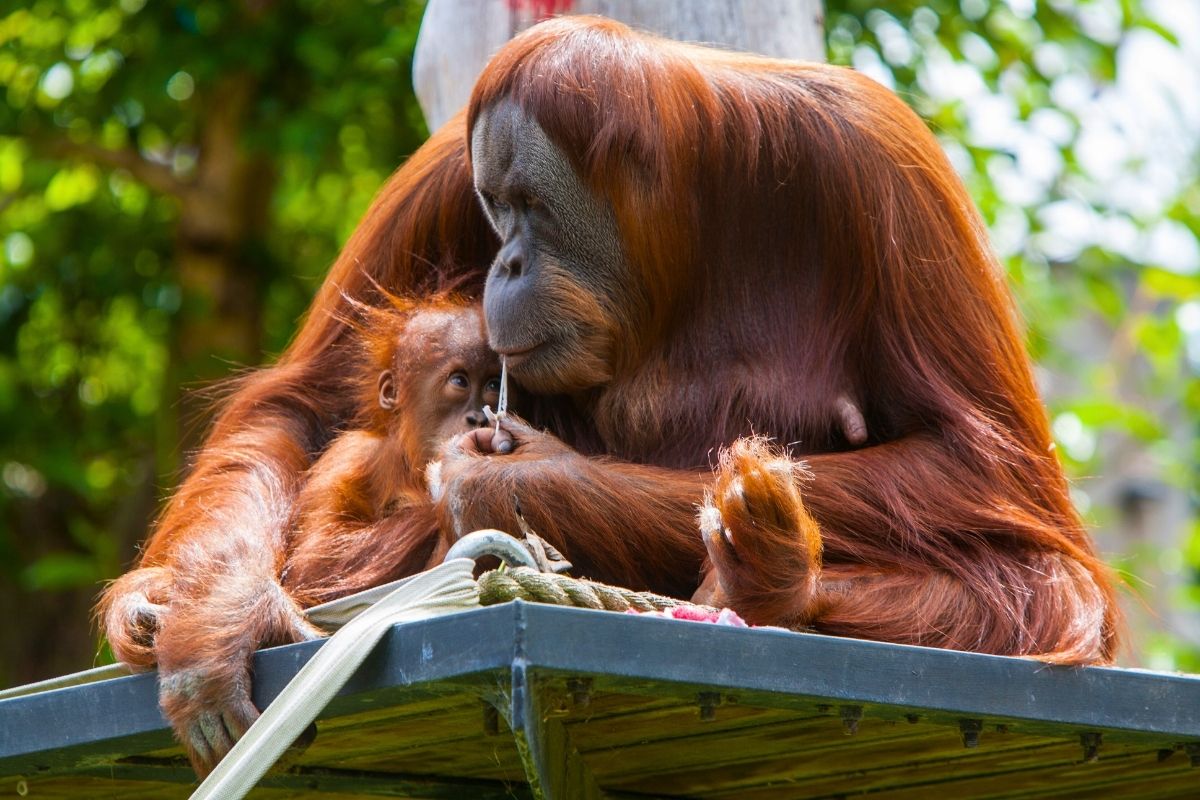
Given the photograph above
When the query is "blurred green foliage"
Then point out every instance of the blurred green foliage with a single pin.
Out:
(115, 297)
(102, 128)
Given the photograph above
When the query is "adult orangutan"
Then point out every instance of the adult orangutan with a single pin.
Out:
(696, 246)
(764, 237)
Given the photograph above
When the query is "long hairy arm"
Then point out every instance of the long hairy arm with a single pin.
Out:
(214, 562)
(228, 515)
(904, 541)
(629, 524)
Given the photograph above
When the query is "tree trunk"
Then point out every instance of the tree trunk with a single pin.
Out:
(459, 36)
(222, 220)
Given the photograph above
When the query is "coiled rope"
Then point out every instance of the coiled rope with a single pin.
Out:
(524, 583)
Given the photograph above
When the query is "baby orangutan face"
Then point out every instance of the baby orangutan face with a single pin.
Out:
(443, 375)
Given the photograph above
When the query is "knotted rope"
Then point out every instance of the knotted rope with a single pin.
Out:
(533, 571)
(524, 583)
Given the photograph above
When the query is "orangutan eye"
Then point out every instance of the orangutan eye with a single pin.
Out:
(492, 386)
(495, 203)
(459, 380)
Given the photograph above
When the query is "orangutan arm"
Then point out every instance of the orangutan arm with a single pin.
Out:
(897, 542)
(628, 524)
(213, 566)
(220, 545)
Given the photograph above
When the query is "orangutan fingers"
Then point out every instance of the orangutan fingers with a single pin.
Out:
(147, 616)
(476, 442)
(200, 749)
(503, 442)
(141, 620)
(212, 726)
(235, 726)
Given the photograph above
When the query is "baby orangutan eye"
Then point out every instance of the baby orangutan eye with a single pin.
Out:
(459, 380)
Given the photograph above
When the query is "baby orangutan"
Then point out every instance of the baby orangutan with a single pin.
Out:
(364, 516)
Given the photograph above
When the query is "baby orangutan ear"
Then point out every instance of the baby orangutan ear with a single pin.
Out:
(387, 390)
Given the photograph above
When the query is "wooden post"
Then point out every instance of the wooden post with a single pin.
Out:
(459, 36)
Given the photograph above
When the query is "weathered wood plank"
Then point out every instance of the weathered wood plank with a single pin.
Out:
(702, 761)
(800, 667)
(1172, 783)
(175, 779)
(1024, 779)
(664, 725)
(882, 764)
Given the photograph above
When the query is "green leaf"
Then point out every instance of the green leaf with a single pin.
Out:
(60, 571)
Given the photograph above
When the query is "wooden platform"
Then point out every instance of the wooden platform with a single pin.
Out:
(522, 701)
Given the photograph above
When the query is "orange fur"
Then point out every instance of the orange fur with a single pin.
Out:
(793, 235)
(628, 524)
(223, 536)
(796, 231)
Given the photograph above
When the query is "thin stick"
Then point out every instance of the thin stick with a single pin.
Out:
(502, 403)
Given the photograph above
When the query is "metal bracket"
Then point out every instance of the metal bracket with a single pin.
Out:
(554, 768)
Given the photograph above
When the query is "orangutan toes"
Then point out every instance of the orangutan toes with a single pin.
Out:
(755, 491)
(764, 546)
(717, 538)
(209, 707)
